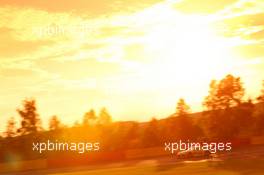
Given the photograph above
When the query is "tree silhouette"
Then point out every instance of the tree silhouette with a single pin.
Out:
(76, 124)
(259, 114)
(183, 126)
(259, 129)
(261, 97)
(89, 118)
(54, 123)
(104, 117)
(228, 114)
(151, 135)
(182, 108)
(10, 128)
(224, 94)
(132, 135)
(30, 122)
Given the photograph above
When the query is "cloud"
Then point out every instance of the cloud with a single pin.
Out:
(92, 46)
(243, 19)
(202, 6)
(247, 27)
(251, 50)
(16, 72)
(243, 7)
(112, 31)
(85, 68)
(10, 46)
(246, 20)
(89, 8)
(258, 35)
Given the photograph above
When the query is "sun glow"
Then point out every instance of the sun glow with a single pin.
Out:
(193, 48)
(185, 50)
(177, 56)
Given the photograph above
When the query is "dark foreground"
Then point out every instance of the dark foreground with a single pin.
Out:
(240, 162)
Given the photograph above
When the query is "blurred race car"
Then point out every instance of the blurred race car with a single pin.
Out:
(194, 154)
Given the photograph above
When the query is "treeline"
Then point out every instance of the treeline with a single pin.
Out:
(30, 122)
(227, 115)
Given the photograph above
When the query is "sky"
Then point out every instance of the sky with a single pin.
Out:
(136, 58)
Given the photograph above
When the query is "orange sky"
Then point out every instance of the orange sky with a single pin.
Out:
(134, 57)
